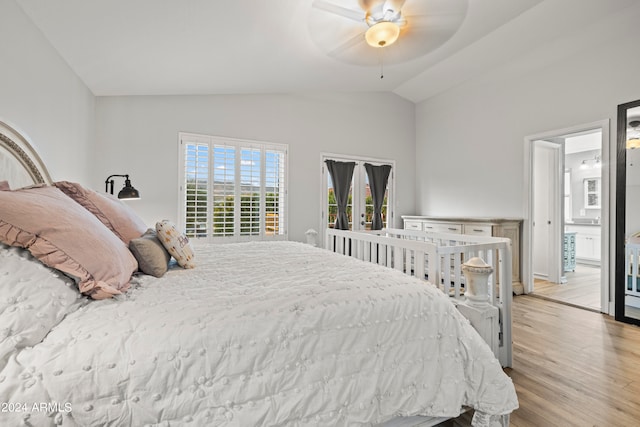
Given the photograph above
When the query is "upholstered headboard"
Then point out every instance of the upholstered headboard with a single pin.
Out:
(19, 162)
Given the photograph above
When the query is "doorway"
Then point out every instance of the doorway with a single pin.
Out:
(566, 233)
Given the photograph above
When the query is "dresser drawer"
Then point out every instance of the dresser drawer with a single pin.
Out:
(477, 230)
(413, 225)
(443, 227)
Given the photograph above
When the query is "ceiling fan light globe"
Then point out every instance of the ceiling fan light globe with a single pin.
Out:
(382, 34)
(633, 143)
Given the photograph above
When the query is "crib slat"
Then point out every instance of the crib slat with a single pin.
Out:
(446, 273)
(398, 258)
(408, 267)
(457, 274)
(633, 270)
(491, 260)
(374, 252)
(382, 255)
(419, 264)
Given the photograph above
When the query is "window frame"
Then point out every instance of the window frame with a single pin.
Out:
(239, 145)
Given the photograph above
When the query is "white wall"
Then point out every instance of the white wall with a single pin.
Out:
(469, 140)
(43, 98)
(138, 135)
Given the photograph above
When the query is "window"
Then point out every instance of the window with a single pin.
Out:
(232, 189)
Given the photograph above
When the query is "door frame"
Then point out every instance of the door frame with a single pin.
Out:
(391, 199)
(606, 292)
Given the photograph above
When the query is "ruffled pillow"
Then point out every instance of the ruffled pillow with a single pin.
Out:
(65, 236)
(176, 243)
(112, 212)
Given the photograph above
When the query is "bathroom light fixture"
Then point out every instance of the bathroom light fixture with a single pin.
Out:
(594, 163)
(597, 163)
(382, 34)
(128, 192)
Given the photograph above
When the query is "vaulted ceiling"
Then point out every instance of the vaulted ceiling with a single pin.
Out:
(159, 47)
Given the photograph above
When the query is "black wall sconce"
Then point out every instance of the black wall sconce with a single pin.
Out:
(127, 192)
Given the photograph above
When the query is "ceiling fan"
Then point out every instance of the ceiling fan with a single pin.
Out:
(348, 29)
(384, 18)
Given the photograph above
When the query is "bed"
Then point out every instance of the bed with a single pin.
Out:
(262, 333)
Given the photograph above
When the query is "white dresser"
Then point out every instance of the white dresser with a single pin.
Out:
(511, 228)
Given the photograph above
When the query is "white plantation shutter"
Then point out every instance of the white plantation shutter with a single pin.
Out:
(232, 189)
(250, 191)
(196, 185)
(274, 192)
(223, 195)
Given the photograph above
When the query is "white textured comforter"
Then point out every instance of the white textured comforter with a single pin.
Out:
(259, 334)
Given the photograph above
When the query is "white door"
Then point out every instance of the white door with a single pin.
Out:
(547, 211)
(542, 162)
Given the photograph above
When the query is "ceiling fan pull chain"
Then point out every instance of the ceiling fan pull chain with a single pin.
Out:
(381, 50)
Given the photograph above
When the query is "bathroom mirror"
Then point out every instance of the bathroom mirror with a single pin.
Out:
(627, 306)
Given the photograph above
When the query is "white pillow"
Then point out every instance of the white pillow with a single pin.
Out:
(33, 299)
(176, 243)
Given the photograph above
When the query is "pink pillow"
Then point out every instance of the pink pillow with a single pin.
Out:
(116, 215)
(65, 236)
(4, 186)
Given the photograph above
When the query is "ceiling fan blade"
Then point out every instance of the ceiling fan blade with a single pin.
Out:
(368, 5)
(440, 19)
(354, 15)
(352, 42)
(395, 5)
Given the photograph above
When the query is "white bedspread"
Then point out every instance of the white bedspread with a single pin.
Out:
(259, 334)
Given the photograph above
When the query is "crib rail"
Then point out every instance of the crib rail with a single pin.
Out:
(437, 258)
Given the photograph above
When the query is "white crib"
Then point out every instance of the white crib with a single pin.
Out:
(438, 258)
(632, 290)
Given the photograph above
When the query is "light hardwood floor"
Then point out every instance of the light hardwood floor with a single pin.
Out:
(572, 367)
(582, 288)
